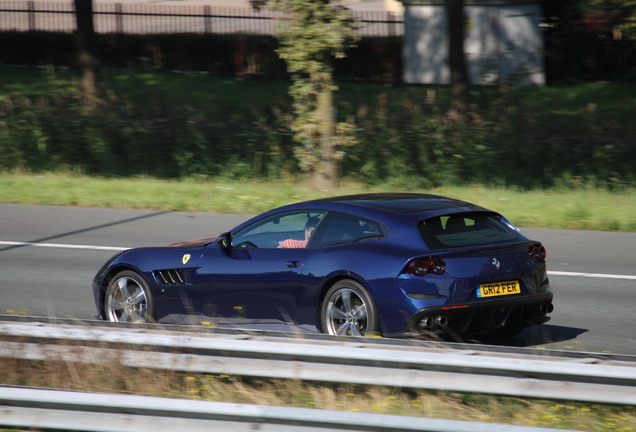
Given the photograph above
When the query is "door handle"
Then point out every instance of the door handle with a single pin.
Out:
(292, 264)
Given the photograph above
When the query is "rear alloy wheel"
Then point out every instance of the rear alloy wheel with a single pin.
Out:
(348, 310)
(128, 299)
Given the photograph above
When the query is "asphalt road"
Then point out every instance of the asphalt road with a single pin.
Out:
(593, 274)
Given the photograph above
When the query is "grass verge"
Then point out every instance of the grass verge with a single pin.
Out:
(559, 208)
(342, 397)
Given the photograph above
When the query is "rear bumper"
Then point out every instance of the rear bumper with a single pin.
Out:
(483, 317)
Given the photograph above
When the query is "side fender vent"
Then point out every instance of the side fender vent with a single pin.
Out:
(169, 277)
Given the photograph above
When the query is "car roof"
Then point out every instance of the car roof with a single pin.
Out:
(400, 211)
(403, 203)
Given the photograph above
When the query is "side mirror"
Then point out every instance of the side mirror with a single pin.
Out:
(225, 240)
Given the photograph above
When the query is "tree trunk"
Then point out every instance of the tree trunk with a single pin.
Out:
(325, 175)
(87, 62)
(459, 85)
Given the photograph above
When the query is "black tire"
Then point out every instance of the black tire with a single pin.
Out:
(348, 310)
(128, 299)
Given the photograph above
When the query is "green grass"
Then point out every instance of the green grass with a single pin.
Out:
(615, 99)
(608, 99)
(199, 91)
(587, 209)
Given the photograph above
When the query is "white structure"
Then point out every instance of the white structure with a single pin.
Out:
(373, 5)
(503, 42)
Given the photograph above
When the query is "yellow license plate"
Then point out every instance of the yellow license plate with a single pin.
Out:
(498, 289)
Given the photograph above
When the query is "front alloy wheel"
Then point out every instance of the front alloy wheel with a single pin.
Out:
(348, 310)
(128, 299)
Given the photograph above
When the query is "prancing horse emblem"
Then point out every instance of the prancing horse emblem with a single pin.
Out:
(186, 258)
(494, 262)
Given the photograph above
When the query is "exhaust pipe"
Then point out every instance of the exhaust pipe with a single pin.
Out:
(431, 323)
(546, 308)
(441, 321)
(427, 323)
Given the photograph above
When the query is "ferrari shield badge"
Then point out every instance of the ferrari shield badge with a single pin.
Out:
(185, 258)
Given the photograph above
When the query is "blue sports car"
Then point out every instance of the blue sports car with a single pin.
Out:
(370, 264)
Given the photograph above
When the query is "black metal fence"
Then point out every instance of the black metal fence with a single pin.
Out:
(240, 41)
(216, 40)
(589, 49)
(122, 18)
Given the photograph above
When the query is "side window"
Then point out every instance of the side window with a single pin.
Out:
(340, 228)
(281, 230)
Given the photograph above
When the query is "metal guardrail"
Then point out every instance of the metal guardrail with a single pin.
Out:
(91, 412)
(584, 379)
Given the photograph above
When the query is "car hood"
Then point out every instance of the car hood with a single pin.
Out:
(194, 243)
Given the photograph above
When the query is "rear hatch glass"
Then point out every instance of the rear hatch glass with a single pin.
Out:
(460, 230)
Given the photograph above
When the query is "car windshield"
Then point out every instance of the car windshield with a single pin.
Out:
(468, 229)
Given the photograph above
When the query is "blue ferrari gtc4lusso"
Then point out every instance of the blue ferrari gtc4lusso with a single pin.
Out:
(370, 264)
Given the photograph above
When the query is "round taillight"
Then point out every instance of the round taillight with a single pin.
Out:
(538, 253)
(422, 266)
(438, 266)
(543, 253)
(417, 268)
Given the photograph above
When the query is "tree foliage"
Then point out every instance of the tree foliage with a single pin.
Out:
(311, 35)
(615, 9)
(621, 14)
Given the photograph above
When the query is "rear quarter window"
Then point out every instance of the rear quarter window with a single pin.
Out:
(340, 228)
(468, 229)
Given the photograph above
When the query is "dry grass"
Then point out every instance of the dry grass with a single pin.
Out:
(112, 378)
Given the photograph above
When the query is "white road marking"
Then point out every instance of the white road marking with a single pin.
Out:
(113, 248)
(63, 246)
(591, 275)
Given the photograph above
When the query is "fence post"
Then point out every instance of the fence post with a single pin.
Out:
(119, 18)
(207, 17)
(31, 7)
